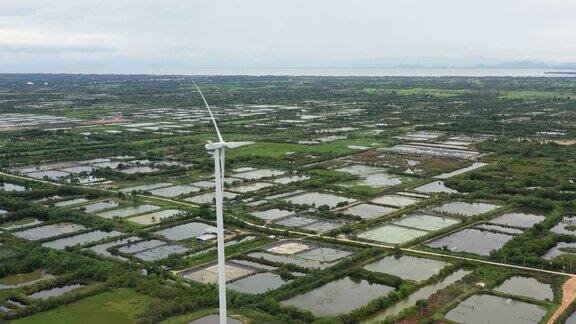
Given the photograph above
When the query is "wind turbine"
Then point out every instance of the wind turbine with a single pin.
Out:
(217, 149)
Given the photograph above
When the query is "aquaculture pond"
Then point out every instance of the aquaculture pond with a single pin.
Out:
(481, 309)
(368, 211)
(434, 187)
(392, 234)
(186, 231)
(272, 214)
(308, 264)
(258, 283)
(472, 241)
(425, 222)
(128, 211)
(339, 297)
(81, 239)
(466, 208)
(567, 225)
(98, 206)
(318, 199)
(155, 217)
(251, 187)
(324, 254)
(48, 231)
(422, 293)
(518, 219)
(474, 166)
(209, 274)
(407, 267)
(54, 292)
(559, 249)
(397, 201)
(174, 191)
(527, 287)
(71, 202)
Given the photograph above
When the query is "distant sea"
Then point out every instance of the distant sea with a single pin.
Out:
(375, 72)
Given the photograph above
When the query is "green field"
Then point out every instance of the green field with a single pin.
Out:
(24, 278)
(118, 306)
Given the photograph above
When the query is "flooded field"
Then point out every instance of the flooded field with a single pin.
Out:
(472, 241)
(425, 222)
(482, 309)
(54, 292)
(407, 267)
(368, 211)
(422, 293)
(396, 201)
(392, 234)
(339, 297)
(128, 211)
(518, 220)
(153, 218)
(527, 287)
(186, 231)
(48, 231)
(465, 208)
(434, 187)
(318, 199)
(258, 283)
(80, 239)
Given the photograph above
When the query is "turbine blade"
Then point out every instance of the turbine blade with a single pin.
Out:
(210, 112)
(232, 145)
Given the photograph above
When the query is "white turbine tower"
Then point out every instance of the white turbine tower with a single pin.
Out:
(217, 150)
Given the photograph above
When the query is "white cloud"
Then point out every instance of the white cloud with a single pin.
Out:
(243, 32)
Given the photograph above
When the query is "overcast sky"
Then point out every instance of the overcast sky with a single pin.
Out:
(147, 35)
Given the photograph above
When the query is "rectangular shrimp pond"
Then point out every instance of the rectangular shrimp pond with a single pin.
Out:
(480, 309)
(407, 267)
(466, 209)
(80, 239)
(339, 297)
(407, 228)
(48, 231)
(318, 199)
(472, 240)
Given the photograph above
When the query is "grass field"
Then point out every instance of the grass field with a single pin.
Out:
(117, 306)
(24, 278)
